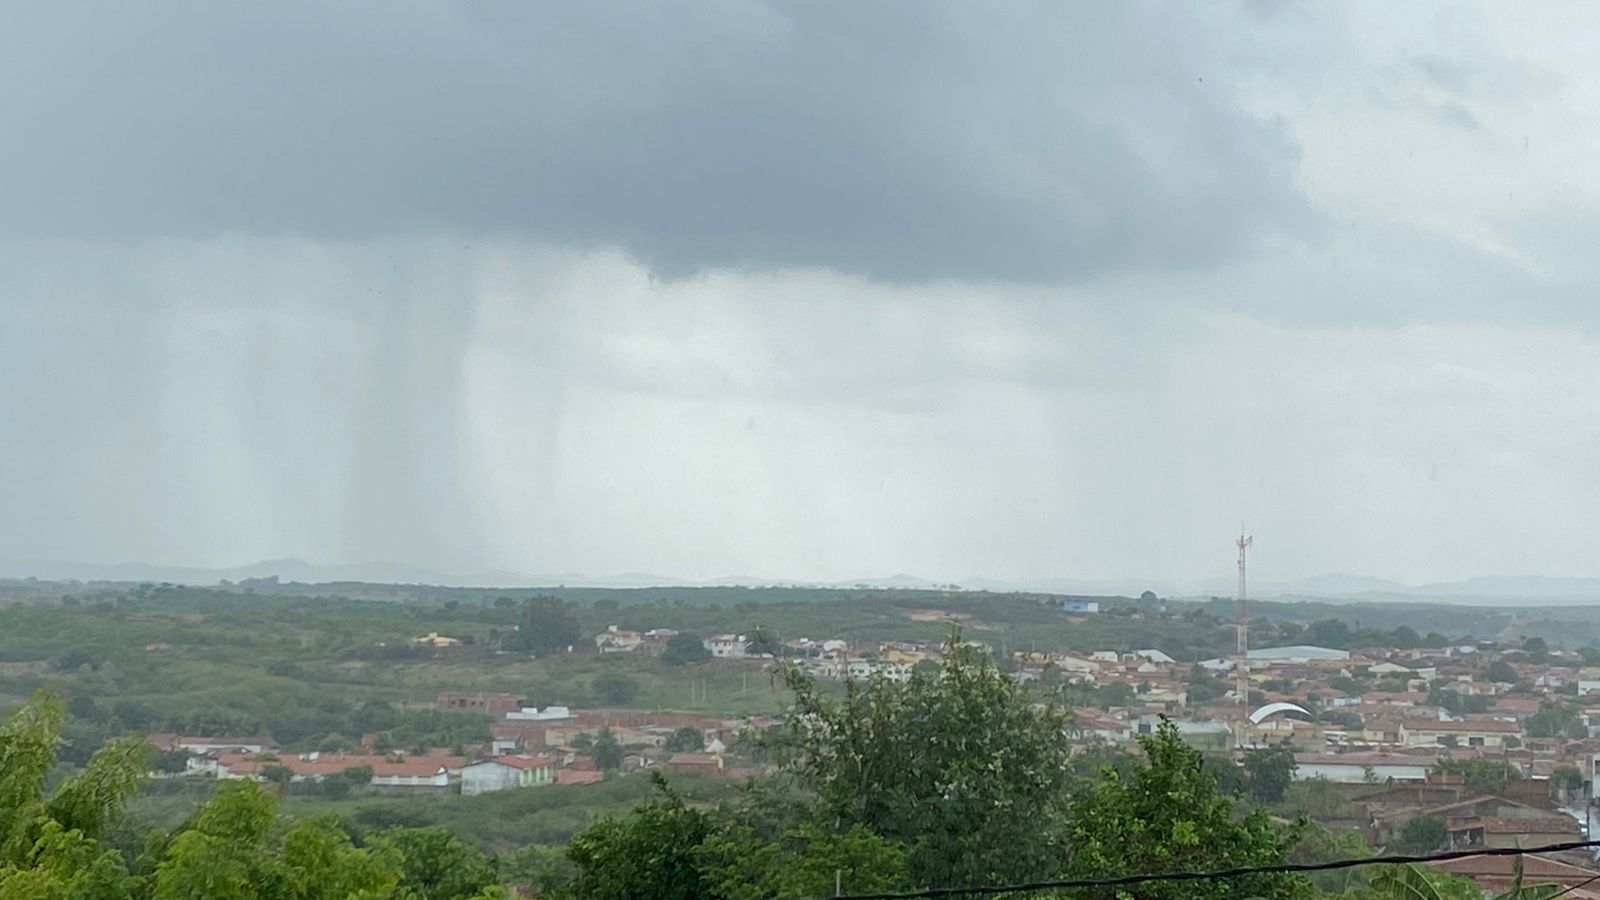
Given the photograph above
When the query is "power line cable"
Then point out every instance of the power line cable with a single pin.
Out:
(1278, 869)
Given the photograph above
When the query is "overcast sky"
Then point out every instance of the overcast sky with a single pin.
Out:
(804, 290)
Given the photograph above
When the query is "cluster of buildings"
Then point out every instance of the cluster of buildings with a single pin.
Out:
(529, 747)
(621, 640)
(833, 659)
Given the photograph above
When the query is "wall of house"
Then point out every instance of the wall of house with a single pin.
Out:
(481, 779)
(1354, 774)
(1531, 839)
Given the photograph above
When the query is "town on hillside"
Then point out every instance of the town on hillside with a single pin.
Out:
(1491, 738)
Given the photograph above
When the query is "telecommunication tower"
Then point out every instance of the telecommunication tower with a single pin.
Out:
(1242, 668)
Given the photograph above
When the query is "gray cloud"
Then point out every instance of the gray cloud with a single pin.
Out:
(799, 289)
(910, 140)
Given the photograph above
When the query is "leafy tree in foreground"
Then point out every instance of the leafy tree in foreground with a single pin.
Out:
(1168, 816)
(51, 847)
(961, 767)
(436, 865)
(650, 853)
(800, 865)
(545, 868)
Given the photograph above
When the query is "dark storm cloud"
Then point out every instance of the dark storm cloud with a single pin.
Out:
(897, 140)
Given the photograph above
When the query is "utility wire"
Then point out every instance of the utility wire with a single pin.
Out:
(1278, 869)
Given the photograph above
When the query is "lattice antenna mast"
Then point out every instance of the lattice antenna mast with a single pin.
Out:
(1242, 668)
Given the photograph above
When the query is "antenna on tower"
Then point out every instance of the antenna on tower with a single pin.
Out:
(1242, 668)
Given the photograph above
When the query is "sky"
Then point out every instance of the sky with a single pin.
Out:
(803, 290)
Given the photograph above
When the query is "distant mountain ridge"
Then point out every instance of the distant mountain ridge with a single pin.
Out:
(1329, 586)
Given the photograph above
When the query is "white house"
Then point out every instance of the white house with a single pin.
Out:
(208, 744)
(862, 669)
(726, 646)
(617, 640)
(535, 714)
(505, 773)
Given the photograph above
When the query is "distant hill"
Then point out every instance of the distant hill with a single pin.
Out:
(1332, 586)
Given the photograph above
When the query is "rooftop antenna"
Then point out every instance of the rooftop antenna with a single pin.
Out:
(1243, 667)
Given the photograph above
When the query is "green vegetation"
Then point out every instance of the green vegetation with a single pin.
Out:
(1424, 834)
(1269, 772)
(1484, 775)
(989, 796)
(955, 776)
(1556, 719)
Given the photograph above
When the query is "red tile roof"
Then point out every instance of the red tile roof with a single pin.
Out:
(523, 762)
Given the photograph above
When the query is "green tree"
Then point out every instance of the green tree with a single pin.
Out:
(1328, 633)
(1117, 693)
(961, 767)
(607, 752)
(334, 742)
(1500, 672)
(684, 648)
(761, 641)
(1168, 816)
(539, 866)
(277, 774)
(1483, 775)
(1317, 798)
(546, 625)
(1556, 718)
(1269, 771)
(1203, 687)
(1423, 834)
(51, 846)
(614, 688)
(1229, 776)
(235, 848)
(436, 865)
(1566, 778)
(316, 861)
(1319, 844)
(1417, 882)
(801, 865)
(224, 854)
(654, 852)
(685, 738)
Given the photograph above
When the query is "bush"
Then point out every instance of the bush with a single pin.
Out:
(614, 688)
(1424, 834)
(685, 648)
